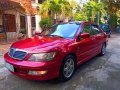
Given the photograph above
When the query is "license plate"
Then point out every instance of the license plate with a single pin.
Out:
(9, 67)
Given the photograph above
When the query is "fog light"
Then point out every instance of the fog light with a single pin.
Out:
(37, 72)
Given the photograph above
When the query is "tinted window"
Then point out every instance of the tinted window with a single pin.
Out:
(64, 30)
(86, 29)
(94, 30)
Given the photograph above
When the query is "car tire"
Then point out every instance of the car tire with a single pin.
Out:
(103, 50)
(67, 68)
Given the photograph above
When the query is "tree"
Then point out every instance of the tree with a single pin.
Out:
(113, 10)
(80, 16)
(45, 8)
(46, 23)
(74, 6)
(53, 7)
(65, 9)
(92, 8)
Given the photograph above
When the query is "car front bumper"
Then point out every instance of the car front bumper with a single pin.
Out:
(46, 70)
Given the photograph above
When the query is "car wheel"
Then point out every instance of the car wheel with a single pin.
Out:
(103, 50)
(67, 68)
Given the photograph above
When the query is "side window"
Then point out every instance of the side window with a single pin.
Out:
(94, 30)
(86, 29)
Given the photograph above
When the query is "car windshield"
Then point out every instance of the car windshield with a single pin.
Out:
(65, 30)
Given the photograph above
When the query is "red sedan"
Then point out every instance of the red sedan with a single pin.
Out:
(56, 52)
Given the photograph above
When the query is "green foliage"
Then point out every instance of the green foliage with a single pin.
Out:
(92, 8)
(23, 31)
(89, 11)
(46, 22)
(45, 8)
(118, 22)
(113, 21)
(54, 6)
(63, 7)
(80, 17)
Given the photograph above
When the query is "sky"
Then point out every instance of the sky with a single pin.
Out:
(82, 1)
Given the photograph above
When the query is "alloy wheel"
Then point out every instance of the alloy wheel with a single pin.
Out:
(68, 68)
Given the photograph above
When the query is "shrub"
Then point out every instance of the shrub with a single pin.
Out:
(46, 23)
(23, 31)
(80, 17)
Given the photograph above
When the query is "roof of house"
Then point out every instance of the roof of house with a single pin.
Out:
(12, 4)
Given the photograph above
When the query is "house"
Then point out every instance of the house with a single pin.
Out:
(17, 15)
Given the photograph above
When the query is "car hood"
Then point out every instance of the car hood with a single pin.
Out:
(40, 44)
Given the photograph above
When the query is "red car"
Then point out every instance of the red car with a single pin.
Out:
(56, 52)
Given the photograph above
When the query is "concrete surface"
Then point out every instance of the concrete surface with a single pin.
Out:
(100, 73)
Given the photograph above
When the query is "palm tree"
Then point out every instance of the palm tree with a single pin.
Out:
(92, 8)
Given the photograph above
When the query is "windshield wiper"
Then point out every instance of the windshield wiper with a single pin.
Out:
(55, 36)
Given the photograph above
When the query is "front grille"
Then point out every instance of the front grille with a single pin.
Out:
(17, 54)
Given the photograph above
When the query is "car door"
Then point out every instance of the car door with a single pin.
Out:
(96, 35)
(85, 46)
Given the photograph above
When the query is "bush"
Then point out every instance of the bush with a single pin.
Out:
(46, 23)
(119, 22)
(23, 31)
(80, 17)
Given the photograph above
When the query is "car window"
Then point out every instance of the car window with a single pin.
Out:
(94, 30)
(86, 29)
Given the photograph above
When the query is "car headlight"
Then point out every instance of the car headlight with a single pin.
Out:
(42, 57)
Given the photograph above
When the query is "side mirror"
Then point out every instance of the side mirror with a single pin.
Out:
(85, 35)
